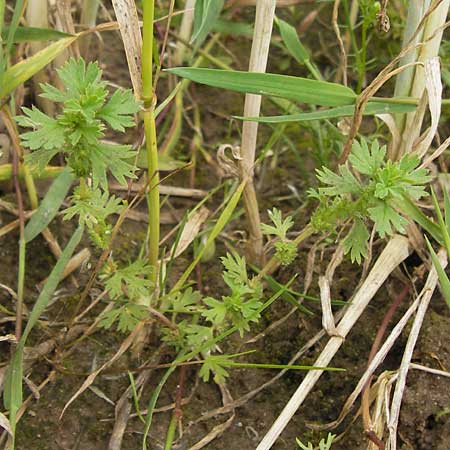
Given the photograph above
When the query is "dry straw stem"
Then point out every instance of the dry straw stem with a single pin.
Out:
(37, 16)
(265, 12)
(127, 17)
(88, 19)
(381, 354)
(428, 290)
(396, 251)
(431, 36)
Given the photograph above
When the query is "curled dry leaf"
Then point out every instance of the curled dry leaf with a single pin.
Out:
(433, 86)
(227, 165)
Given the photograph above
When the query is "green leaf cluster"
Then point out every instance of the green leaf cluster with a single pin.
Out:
(126, 287)
(368, 189)
(285, 249)
(77, 131)
(240, 306)
(93, 207)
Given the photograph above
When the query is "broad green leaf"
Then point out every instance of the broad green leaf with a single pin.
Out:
(356, 242)
(24, 70)
(13, 395)
(303, 90)
(333, 113)
(205, 15)
(28, 34)
(443, 278)
(50, 205)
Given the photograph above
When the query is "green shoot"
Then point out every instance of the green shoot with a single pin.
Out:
(323, 445)
(285, 249)
(371, 193)
(78, 130)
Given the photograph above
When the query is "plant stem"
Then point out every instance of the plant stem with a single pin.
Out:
(150, 135)
(265, 12)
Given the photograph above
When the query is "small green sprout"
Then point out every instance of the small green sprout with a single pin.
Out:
(285, 249)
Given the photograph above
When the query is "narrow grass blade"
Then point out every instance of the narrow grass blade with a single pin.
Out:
(296, 48)
(443, 278)
(218, 227)
(287, 296)
(24, 70)
(332, 113)
(13, 395)
(411, 210)
(304, 90)
(18, 11)
(205, 15)
(447, 210)
(441, 222)
(50, 205)
(27, 34)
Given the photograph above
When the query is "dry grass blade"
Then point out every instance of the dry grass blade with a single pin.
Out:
(428, 290)
(394, 253)
(127, 18)
(4, 423)
(190, 231)
(327, 313)
(433, 85)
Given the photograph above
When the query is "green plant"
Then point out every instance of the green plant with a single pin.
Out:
(370, 189)
(285, 249)
(444, 225)
(323, 445)
(78, 130)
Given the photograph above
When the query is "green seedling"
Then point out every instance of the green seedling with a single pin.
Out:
(366, 191)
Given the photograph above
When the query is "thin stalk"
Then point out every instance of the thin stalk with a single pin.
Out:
(22, 246)
(170, 436)
(150, 136)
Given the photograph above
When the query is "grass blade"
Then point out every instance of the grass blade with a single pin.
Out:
(296, 48)
(13, 395)
(24, 70)
(441, 222)
(27, 34)
(303, 90)
(443, 278)
(50, 205)
(412, 211)
(218, 227)
(205, 15)
(333, 113)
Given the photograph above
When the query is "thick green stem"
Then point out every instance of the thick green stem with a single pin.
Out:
(150, 135)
